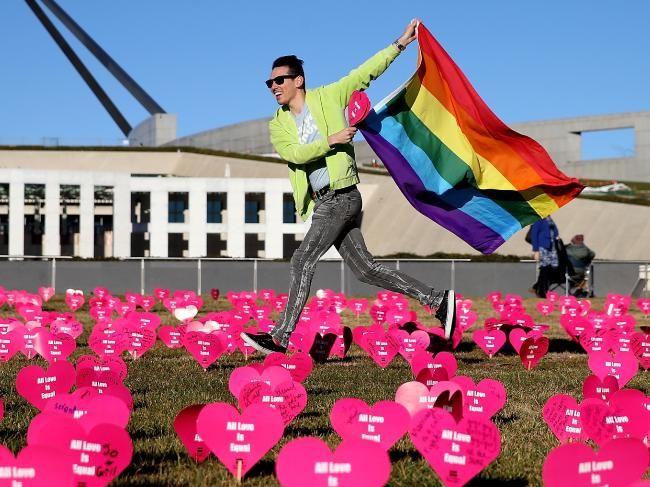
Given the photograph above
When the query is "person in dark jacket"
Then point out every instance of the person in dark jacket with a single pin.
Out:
(579, 255)
(543, 234)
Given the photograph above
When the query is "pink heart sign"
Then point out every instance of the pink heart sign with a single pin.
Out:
(139, 340)
(518, 336)
(100, 454)
(37, 386)
(171, 336)
(89, 408)
(483, 399)
(46, 293)
(104, 383)
(383, 423)
(640, 345)
(299, 364)
(272, 375)
(206, 348)
(185, 427)
(489, 341)
(10, 343)
(382, 347)
(442, 360)
(622, 365)
(36, 466)
(53, 346)
(410, 344)
(532, 351)
(562, 415)
(239, 441)
(358, 107)
(455, 451)
(103, 364)
(415, 396)
(289, 397)
(625, 415)
(309, 461)
(594, 387)
(617, 463)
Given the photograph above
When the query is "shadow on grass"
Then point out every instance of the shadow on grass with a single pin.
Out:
(497, 481)
(411, 455)
(503, 419)
(320, 431)
(262, 468)
(559, 345)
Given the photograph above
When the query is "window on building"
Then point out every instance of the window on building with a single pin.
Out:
(140, 208)
(34, 219)
(177, 244)
(216, 207)
(103, 241)
(217, 245)
(288, 208)
(290, 242)
(4, 219)
(254, 208)
(254, 245)
(178, 205)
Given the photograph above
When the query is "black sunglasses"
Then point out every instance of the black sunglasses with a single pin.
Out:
(280, 79)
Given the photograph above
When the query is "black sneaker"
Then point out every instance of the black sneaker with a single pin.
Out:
(262, 342)
(446, 313)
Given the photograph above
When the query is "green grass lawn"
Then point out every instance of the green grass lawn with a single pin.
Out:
(165, 381)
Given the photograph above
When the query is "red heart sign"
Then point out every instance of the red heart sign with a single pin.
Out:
(532, 351)
(185, 427)
(358, 108)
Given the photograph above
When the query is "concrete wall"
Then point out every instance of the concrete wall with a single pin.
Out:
(560, 137)
(470, 278)
(154, 131)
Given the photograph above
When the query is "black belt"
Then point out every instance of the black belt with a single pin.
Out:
(323, 191)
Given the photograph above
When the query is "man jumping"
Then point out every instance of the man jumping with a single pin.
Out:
(310, 132)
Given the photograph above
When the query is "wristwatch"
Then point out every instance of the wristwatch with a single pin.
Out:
(399, 46)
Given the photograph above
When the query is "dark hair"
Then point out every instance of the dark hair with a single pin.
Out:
(292, 62)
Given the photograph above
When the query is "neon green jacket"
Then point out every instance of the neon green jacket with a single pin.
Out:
(327, 105)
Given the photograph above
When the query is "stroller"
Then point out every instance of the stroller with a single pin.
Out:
(567, 278)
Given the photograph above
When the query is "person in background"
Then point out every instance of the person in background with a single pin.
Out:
(543, 234)
(579, 255)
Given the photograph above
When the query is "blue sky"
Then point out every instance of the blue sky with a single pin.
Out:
(206, 60)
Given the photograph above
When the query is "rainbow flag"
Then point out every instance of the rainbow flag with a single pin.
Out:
(456, 162)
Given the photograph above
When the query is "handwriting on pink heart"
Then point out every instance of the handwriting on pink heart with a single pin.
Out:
(104, 383)
(37, 386)
(455, 451)
(382, 347)
(625, 415)
(384, 423)
(107, 345)
(171, 336)
(618, 462)
(309, 461)
(271, 375)
(103, 364)
(489, 341)
(185, 427)
(90, 408)
(483, 399)
(640, 345)
(36, 466)
(622, 365)
(411, 343)
(533, 350)
(596, 340)
(139, 340)
(206, 348)
(239, 441)
(299, 364)
(99, 454)
(289, 397)
(562, 415)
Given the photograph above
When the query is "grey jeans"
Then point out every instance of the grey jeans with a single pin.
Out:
(336, 222)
